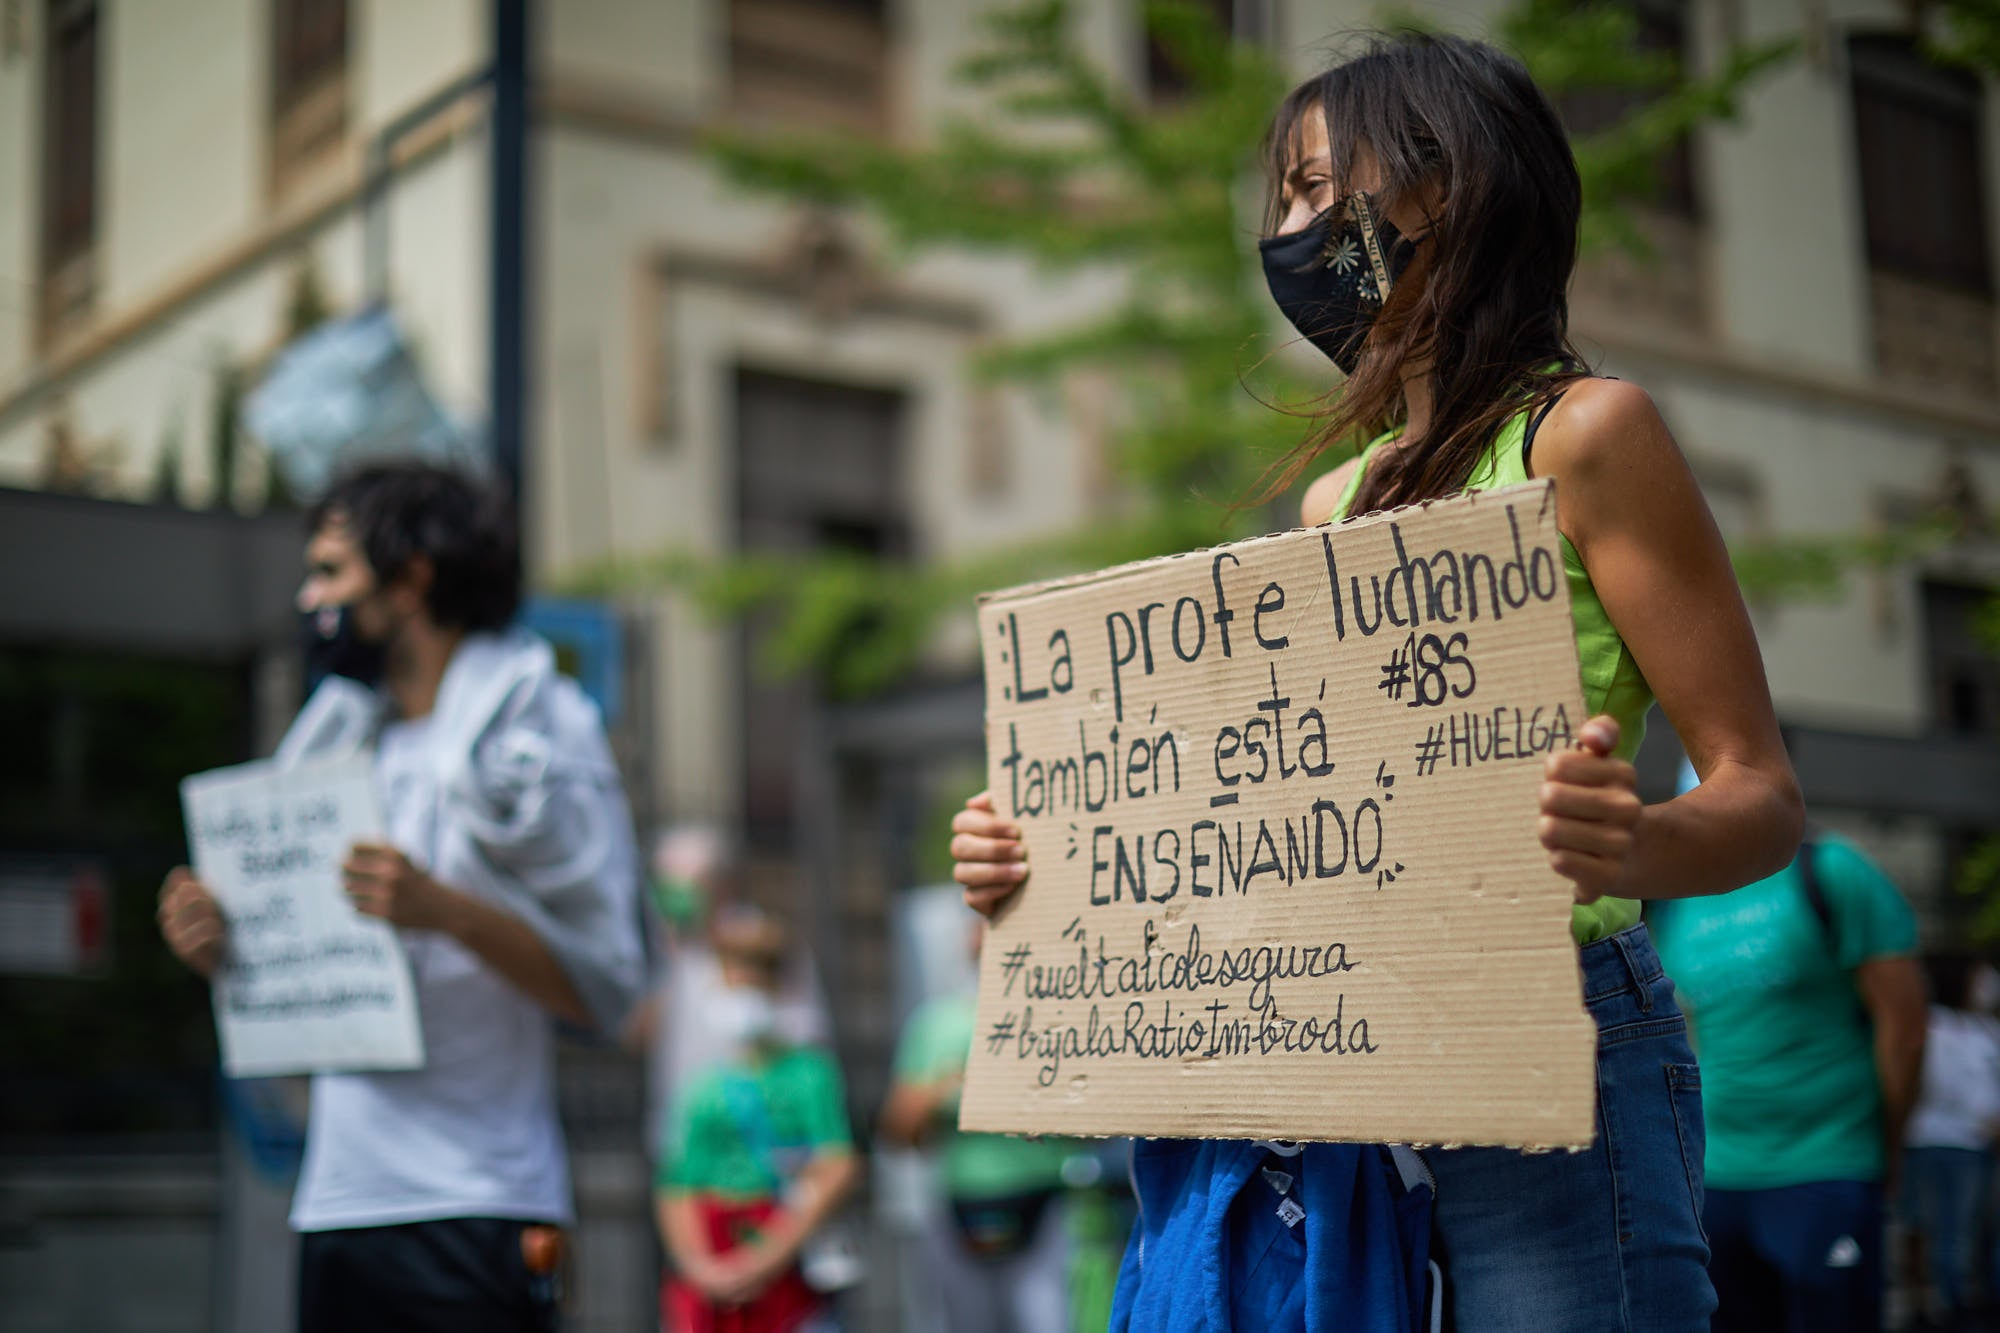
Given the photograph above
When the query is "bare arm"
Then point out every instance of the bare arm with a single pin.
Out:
(743, 1273)
(1324, 494)
(731, 1279)
(383, 883)
(911, 1113)
(1892, 991)
(1628, 502)
(686, 1241)
(511, 947)
(810, 1203)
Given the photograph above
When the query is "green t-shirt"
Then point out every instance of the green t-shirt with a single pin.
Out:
(1788, 1078)
(935, 1044)
(744, 1129)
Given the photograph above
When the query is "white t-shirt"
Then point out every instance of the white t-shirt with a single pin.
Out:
(1961, 1087)
(474, 1132)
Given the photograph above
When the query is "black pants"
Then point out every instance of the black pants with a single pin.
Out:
(421, 1277)
(1798, 1258)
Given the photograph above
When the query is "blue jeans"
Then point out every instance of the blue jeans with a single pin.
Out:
(1943, 1189)
(1603, 1241)
(1799, 1258)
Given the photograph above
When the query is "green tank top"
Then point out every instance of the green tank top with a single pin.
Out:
(1612, 681)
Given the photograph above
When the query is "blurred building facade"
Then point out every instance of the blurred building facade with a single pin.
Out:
(1819, 332)
(183, 186)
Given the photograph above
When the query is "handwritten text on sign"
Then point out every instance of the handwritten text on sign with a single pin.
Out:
(308, 983)
(1279, 800)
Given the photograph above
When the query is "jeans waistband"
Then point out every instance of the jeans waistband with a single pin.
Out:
(1621, 963)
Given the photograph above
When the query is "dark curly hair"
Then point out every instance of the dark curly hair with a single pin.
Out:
(464, 527)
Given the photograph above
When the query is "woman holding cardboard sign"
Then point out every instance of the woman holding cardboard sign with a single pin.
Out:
(1422, 232)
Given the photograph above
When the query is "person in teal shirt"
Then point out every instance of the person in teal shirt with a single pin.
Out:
(1807, 1009)
(997, 1248)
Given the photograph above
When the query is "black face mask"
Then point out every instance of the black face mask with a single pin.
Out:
(1332, 278)
(333, 648)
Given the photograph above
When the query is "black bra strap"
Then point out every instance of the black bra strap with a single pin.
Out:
(1535, 424)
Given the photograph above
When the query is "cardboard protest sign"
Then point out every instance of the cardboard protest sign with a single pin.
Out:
(309, 985)
(1280, 804)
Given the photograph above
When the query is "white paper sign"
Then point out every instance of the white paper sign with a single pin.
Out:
(309, 985)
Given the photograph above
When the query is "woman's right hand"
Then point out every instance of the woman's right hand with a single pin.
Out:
(191, 921)
(988, 856)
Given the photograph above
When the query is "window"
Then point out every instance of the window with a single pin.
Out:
(816, 62)
(1965, 674)
(819, 468)
(1586, 111)
(308, 85)
(69, 164)
(1917, 145)
(1916, 130)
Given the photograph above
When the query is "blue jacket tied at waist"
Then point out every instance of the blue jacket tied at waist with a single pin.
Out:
(1216, 1249)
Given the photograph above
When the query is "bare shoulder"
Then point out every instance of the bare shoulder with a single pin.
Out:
(1619, 474)
(1324, 493)
(1600, 423)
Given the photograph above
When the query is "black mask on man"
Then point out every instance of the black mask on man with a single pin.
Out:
(1332, 277)
(334, 648)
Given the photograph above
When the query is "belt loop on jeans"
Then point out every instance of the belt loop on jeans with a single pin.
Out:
(1639, 986)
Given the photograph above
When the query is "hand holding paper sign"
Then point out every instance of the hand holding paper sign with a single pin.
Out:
(988, 856)
(304, 984)
(1590, 806)
(191, 922)
(382, 882)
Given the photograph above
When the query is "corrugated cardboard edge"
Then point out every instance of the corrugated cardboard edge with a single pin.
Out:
(1544, 486)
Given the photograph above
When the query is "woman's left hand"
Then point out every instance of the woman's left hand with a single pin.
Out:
(1590, 805)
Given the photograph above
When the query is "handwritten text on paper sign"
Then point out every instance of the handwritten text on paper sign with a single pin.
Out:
(308, 984)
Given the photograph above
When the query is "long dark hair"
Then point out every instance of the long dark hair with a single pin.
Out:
(1486, 300)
